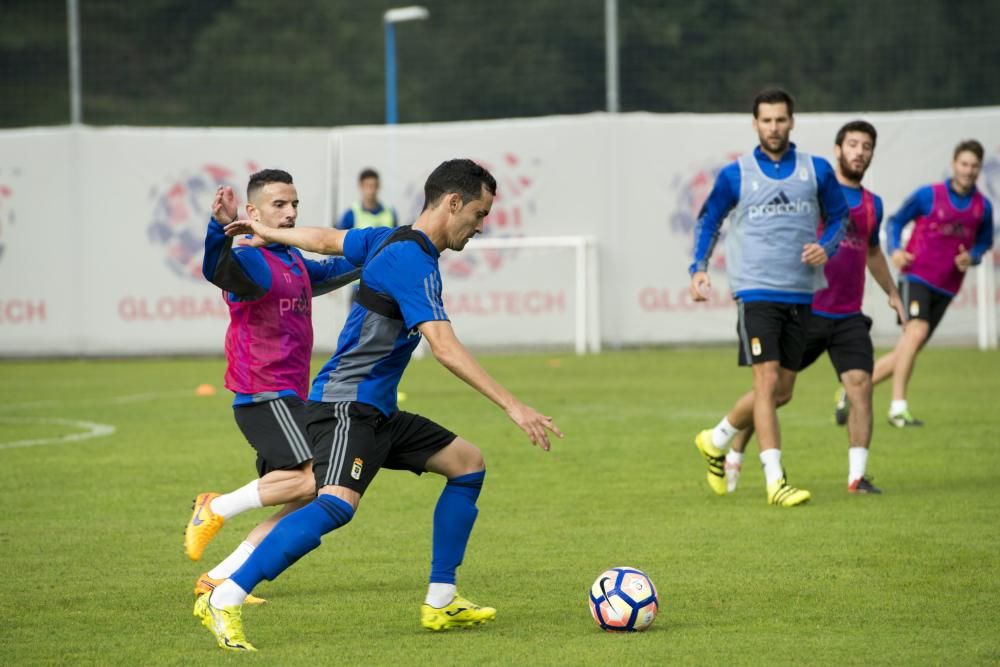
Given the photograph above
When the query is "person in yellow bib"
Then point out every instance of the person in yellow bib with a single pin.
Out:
(369, 211)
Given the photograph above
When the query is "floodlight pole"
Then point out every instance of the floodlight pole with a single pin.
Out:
(73, 30)
(389, 21)
(611, 54)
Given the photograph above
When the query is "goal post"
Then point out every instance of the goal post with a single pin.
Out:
(986, 308)
(586, 315)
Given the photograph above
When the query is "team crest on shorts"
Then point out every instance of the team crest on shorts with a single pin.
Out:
(914, 308)
(356, 468)
(755, 346)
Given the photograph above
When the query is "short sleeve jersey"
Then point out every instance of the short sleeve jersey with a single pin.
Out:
(373, 350)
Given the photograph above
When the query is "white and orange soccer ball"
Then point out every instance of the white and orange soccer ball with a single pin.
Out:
(623, 599)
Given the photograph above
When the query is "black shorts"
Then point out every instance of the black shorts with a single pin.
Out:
(923, 303)
(277, 430)
(847, 340)
(771, 331)
(353, 441)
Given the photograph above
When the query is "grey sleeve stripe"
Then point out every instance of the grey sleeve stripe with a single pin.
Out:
(339, 445)
(290, 430)
(744, 341)
(427, 293)
(435, 291)
(431, 286)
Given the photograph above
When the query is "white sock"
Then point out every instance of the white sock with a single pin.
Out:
(239, 501)
(734, 458)
(857, 461)
(225, 569)
(897, 406)
(770, 459)
(440, 595)
(723, 433)
(227, 594)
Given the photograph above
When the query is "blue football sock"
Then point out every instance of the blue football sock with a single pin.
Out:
(454, 517)
(292, 538)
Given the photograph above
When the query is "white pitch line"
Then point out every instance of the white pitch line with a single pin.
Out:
(92, 430)
(114, 400)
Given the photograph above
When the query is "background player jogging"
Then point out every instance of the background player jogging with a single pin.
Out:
(952, 229)
(778, 196)
(837, 325)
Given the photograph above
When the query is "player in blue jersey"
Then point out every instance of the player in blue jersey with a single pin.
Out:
(778, 197)
(838, 327)
(268, 290)
(354, 424)
(952, 230)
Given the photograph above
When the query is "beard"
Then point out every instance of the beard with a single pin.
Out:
(775, 144)
(850, 171)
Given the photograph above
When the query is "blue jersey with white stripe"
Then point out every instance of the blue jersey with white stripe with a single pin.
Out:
(373, 350)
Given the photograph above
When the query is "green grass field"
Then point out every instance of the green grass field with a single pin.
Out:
(91, 532)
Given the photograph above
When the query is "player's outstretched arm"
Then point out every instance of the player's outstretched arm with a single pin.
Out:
(448, 350)
(323, 240)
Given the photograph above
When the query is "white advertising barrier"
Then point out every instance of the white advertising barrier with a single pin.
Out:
(41, 232)
(116, 240)
(101, 230)
(659, 205)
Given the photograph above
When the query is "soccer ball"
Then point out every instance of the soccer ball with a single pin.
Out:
(623, 599)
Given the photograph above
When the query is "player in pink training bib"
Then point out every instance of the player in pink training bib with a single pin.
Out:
(953, 229)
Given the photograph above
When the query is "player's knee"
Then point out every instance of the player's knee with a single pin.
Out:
(783, 396)
(857, 381)
(917, 331)
(472, 459)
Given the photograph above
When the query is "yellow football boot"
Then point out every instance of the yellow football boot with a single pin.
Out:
(202, 527)
(781, 494)
(716, 459)
(226, 624)
(459, 614)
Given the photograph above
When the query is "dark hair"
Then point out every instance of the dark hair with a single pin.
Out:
(970, 145)
(265, 176)
(464, 177)
(773, 96)
(856, 126)
(366, 173)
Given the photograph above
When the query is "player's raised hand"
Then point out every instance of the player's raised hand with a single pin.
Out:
(901, 259)
(224, 205)
(534, 423)
(701, 286)
(813, 254)
(963, 260)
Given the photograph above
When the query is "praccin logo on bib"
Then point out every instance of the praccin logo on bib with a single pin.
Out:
(780, 205)
(181, 207)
